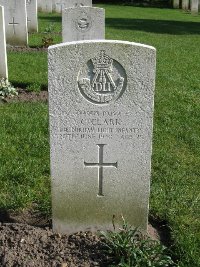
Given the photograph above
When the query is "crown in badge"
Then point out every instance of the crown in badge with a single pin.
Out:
(102, 61)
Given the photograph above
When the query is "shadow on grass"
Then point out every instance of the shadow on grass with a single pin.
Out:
(136, 3)
(165, 234)
(27, 216)
(51, 18)
(5, 216)
(154, 26)
(163, 230)
(44, 87)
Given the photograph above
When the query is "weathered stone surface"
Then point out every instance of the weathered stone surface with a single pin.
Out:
(15, 22)
(62, 4)
(32, 16)
(194, 7)
(83, 23)
(3, 54)
(101, 116)
(45, 6)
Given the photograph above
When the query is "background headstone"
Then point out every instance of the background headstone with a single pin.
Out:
(175, 3)
(101, 117)
(59, 5)
(83, 23)
(185, 4)
(54, 5)
(3, 54)
(32, 15)
(46, 6)
(62, 4)
(194, 7)
(39, 5)
(15, 21)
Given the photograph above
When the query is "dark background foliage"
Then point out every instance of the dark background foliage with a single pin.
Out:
(156, 3)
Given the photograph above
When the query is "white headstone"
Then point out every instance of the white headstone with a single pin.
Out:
(59, 5)
(101, 96)
(46, 6)
(32, 15)
(175, 3)
(3, 54)
(194, 7)
(54, 4)
(39, 5)
(83, 23)
(62, 4)
(15, 21)
(185, 4)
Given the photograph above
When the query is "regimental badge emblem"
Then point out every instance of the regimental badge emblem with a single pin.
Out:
(83, 23)
(78, 5)
(102, 80)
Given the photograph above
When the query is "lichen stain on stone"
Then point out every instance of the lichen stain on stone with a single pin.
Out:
(91, 213)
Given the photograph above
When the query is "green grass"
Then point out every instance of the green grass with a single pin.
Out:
(54, 20)
(175, 197)
(27, 68)
(128, 247)
(24, 156)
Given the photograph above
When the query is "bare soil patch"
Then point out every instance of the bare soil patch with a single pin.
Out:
(24, 245)
(27, 239)
(26, 49)
(25, 96)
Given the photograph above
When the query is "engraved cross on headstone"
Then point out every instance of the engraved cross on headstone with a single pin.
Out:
(100, 166)
(13, 23)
